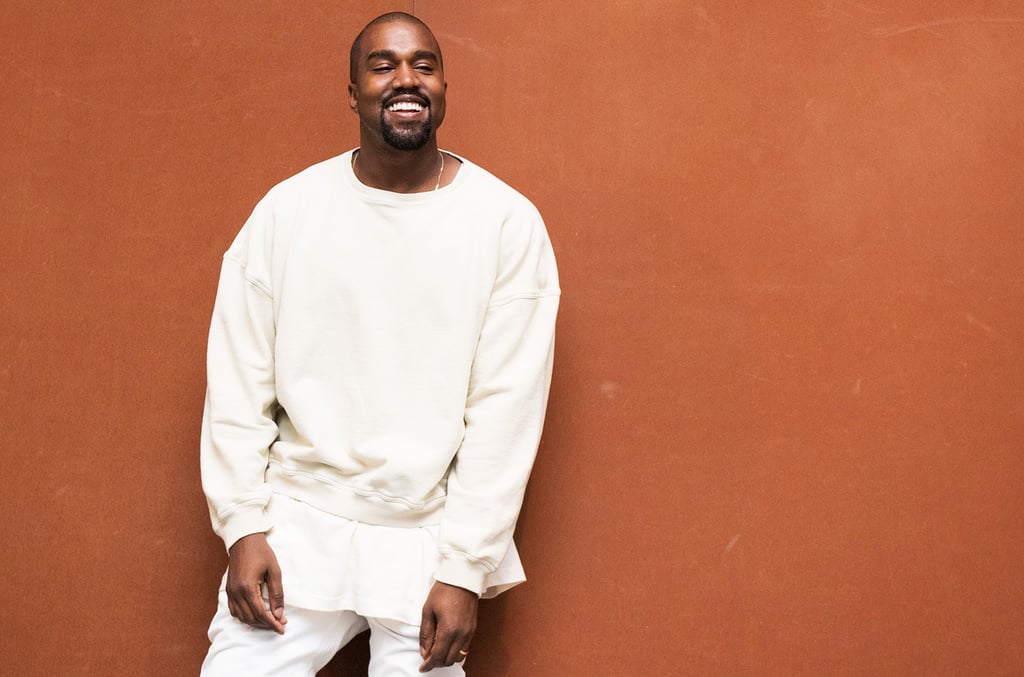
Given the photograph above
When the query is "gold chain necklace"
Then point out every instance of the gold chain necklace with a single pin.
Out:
(440, 172)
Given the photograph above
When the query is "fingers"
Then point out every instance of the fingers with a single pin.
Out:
(246, 603)
(275, 593)
(441, 646)
(427, 627)
(452, 648)
(261, 611)
(251, 564)
(447, 648)
(232, 609)
(447, 626)
(252, 602)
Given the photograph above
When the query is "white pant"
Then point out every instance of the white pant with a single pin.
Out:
(310, 640)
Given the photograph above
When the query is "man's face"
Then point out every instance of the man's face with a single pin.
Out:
(399, 92)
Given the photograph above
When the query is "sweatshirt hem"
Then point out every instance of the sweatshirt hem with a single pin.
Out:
(354, 504)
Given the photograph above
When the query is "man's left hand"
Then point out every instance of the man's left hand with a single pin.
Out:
(447, 627)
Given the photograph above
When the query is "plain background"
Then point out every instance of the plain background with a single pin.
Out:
(785, 432)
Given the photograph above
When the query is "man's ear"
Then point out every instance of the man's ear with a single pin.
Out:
(353, 97)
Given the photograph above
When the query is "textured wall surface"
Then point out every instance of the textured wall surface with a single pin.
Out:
(786, 433)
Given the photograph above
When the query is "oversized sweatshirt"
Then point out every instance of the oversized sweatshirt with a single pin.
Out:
(384, 357)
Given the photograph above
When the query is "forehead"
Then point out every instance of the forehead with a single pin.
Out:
(399, 37)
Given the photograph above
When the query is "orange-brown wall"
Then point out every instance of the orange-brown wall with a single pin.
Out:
(787, 423)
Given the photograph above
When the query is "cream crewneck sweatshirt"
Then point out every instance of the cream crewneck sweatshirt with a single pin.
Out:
(384, 357)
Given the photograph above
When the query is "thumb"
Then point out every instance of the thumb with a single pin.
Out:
(428, 624)
(275, 591)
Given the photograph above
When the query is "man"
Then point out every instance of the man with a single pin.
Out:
(379, 361)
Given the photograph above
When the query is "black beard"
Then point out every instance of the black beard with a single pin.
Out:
(405, 139)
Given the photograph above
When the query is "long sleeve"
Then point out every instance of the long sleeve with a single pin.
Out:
(238, 421)
(505, 407)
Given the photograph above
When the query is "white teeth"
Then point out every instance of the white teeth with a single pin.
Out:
(406, 106)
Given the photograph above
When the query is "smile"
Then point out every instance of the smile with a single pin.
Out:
(405, 106)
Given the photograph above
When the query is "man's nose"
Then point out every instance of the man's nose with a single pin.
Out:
(405, 77)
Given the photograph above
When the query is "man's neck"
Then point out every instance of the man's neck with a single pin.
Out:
(399, 171)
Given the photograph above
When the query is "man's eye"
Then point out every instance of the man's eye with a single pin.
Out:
(381, 69)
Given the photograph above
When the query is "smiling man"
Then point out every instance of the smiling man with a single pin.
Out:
(378, 370)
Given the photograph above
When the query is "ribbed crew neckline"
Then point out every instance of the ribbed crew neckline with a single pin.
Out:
(391, 197)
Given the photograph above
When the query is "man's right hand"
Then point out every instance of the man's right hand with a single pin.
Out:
(251, 563)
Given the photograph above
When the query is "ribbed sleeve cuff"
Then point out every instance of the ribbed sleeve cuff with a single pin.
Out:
(463, 573)
(244, 522)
